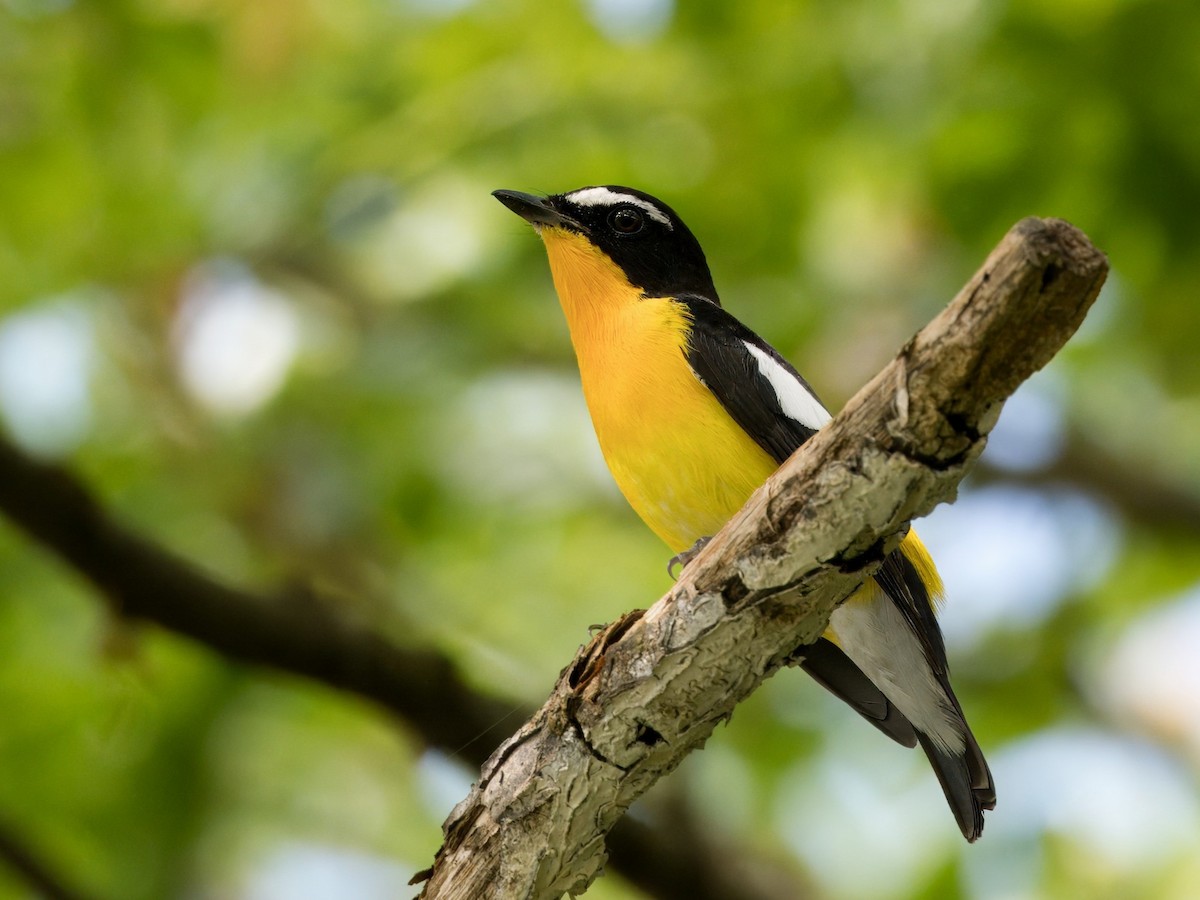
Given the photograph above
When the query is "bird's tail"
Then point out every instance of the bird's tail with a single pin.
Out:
(966, 781)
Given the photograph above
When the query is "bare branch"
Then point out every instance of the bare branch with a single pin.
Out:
(651, 687)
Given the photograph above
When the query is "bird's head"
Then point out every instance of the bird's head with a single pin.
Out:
(589, 231)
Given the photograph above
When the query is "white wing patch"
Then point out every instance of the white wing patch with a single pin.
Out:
(602, 196)
(795, 401)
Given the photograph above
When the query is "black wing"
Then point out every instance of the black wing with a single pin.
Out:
(719, 352)
(900, 581)
(756, 386)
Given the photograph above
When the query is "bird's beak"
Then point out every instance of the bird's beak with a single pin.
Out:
(536, 210)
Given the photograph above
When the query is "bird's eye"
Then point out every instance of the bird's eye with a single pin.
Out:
(626, 220)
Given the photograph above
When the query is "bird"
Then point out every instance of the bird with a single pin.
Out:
(693, 411)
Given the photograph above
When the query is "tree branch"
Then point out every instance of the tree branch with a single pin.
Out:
(296, 633)
(305, 636)
(650, 688)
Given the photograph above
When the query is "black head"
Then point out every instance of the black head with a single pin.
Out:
(640, 233)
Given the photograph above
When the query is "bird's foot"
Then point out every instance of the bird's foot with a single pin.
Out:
(680, 560)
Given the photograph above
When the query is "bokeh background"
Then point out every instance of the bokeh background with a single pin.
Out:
(254, 290)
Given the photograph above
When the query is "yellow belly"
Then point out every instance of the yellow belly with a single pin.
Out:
(682, 463)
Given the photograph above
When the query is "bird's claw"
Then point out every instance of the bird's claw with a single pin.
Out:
(680, 560)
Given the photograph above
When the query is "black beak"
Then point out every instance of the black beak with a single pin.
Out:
(535, 210)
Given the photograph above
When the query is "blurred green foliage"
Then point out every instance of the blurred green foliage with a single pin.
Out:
(252, 285)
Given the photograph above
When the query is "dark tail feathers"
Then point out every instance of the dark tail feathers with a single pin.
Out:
(966, 782)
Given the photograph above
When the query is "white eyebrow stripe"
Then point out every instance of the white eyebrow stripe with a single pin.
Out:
(602, 196)
(794, 399)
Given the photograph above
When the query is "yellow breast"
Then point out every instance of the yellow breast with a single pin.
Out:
(682, 463)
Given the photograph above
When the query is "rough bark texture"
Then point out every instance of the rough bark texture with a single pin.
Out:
(650, 687)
